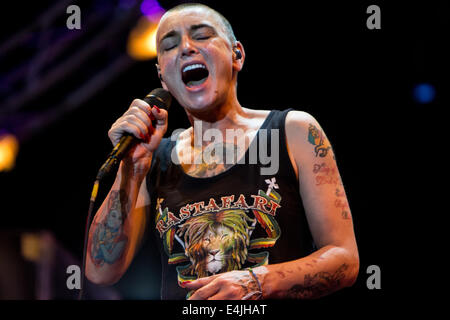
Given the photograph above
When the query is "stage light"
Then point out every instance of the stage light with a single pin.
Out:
(31, 246)
(424, 93)
(152, 10)
(9, 146)
(142, 40)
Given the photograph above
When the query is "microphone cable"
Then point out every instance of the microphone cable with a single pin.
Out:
(86, 237)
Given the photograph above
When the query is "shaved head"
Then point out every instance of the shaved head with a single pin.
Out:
(228, 30)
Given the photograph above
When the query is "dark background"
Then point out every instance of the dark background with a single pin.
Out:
(318, 57)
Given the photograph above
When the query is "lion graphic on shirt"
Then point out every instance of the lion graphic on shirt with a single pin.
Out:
(216, 242)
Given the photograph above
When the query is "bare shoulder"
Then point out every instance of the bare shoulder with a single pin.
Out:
(299, 120)
(255, 117)
(305, 138)
(302, 128)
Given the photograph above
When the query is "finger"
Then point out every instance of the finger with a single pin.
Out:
(126, 127)
(143, 128)
(160, 116)
(142, 115)
(160, 125)
(146, 119)
(206, 291)
(141, 104)
(144, 107)
(194, 285)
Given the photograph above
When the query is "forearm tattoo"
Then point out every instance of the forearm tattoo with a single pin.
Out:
(108, 240)
(319, 284)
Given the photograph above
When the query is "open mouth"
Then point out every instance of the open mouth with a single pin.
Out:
(194, 74)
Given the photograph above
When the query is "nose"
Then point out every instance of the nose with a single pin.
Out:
(213, 252)
(187, 47)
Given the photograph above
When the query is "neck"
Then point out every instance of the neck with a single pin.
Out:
(226, 115)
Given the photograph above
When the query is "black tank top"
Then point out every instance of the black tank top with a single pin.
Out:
(234, 220)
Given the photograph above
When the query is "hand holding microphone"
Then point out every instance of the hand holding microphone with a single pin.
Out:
(135, 137)
(138, 132)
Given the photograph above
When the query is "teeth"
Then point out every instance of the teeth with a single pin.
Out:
(193, 66)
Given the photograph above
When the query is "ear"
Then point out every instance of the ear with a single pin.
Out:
(163, 84)
(238, 63)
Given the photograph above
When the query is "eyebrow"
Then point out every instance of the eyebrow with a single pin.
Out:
(168, 35)
(201, 25)
(192, 28)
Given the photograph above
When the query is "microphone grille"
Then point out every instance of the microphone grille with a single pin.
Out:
(159, 97)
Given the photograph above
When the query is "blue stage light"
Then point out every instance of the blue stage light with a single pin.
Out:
(424, 93)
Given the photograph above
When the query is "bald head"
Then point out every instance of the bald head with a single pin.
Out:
(223, 22)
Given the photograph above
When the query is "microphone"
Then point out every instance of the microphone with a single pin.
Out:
(159, 97)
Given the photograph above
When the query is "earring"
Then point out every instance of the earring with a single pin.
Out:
(238, 53)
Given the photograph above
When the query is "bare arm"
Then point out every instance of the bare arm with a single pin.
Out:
(335, 265)
(117, 228)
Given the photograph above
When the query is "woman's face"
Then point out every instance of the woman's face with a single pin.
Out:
(195, 58)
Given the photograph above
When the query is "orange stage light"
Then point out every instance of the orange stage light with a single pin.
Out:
(9, 146)
(142, 40)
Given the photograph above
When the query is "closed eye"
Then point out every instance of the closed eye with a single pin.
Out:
(202, 31)
(202, 37)
(170, 42)
(169, 48)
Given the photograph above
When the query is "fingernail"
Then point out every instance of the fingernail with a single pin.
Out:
(157, 109)
(182, 284)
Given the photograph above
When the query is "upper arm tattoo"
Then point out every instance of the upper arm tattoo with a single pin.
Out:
(317, 138)
(326, 174)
